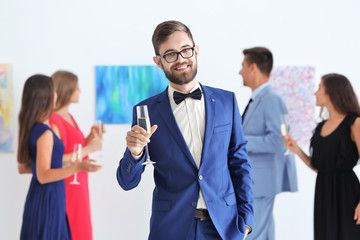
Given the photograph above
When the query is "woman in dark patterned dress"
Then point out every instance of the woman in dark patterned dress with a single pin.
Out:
(334, 149)
(40, 152)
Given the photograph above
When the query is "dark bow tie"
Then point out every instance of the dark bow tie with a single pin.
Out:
(179, 97)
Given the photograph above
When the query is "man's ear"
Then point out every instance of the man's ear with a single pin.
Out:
(157, 62)
(196, 50)
(253, 67)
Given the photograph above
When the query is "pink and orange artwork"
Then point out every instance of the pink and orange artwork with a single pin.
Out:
(296, 85)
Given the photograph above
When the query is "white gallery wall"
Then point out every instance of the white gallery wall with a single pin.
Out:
(42, 36)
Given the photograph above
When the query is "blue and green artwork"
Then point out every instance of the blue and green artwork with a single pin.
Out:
(119, 88)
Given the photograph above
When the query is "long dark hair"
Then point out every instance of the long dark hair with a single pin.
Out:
(341, 94)
(37, 105)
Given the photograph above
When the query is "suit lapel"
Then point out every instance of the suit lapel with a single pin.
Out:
(209, 120)
(251, 110)
(255, 104)
(168, 118)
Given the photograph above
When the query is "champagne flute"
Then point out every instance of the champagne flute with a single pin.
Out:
(100, 125)
(76, 157)
(285, 128)
(143, 121)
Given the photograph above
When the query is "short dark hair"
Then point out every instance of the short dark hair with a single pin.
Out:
(165, 29)
(262, 57)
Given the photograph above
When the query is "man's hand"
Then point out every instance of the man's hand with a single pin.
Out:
(246, 232)
(137, 138)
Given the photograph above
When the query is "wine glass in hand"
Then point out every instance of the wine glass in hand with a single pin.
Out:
(143, 121)
(285, 128)
(76, 157)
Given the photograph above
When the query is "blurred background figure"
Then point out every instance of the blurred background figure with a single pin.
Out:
(272, 170)
(40, 152)
(65, 126)
(334, 151)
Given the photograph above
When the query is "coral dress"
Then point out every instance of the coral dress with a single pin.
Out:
(337, 190)
(44, 213)
(77, 196)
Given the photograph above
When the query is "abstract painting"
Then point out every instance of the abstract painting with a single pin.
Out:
(296, 85)
(119, 88)
(6, 109)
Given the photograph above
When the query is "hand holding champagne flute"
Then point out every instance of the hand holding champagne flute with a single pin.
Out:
(137, 138)
(143, 121)
(76, 157)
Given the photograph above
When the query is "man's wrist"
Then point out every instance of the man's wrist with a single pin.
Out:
(137, 157)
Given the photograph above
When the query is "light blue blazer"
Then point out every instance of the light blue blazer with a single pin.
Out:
(224, 174)
(272, 171)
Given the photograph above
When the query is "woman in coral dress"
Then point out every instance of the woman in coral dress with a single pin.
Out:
(65, 126)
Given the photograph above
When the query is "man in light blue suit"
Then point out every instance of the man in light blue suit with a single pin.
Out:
(272, 171)
(202, 175)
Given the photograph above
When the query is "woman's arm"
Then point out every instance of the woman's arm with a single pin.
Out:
(93, 140)
(355, 135)
(45, 173)
(92, 145)
(291, 144)
(92, 134)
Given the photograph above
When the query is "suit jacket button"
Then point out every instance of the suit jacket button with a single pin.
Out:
(201, 177)
(193, 204)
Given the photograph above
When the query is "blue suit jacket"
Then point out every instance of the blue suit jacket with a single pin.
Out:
(272, 171)
(224, 174)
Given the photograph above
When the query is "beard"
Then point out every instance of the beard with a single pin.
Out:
(182, 78)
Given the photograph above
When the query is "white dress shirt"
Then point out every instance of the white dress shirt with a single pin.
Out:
(190, 117)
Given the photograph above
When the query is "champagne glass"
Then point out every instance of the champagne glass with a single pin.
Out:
(285, 128)
(143, 121)
(100, 125)
(76, 157)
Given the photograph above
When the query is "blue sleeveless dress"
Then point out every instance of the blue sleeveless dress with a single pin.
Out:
(44, 213)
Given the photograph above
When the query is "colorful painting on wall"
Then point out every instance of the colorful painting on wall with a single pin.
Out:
(119, 88)
(296, 85)
(6, 109)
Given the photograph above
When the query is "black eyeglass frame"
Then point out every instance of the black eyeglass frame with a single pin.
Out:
(177, 54)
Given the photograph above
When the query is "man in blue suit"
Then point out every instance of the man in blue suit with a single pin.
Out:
(272, 171)
(202, 175)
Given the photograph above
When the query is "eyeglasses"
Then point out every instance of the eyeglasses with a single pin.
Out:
(173, 56)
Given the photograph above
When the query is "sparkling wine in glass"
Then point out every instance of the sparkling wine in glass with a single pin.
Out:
(285, 128)
(143, 121)
(76, 157)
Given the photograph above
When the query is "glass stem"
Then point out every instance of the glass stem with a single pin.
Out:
(147, 153)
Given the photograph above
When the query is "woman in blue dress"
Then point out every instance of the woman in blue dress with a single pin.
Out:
(40, 152)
